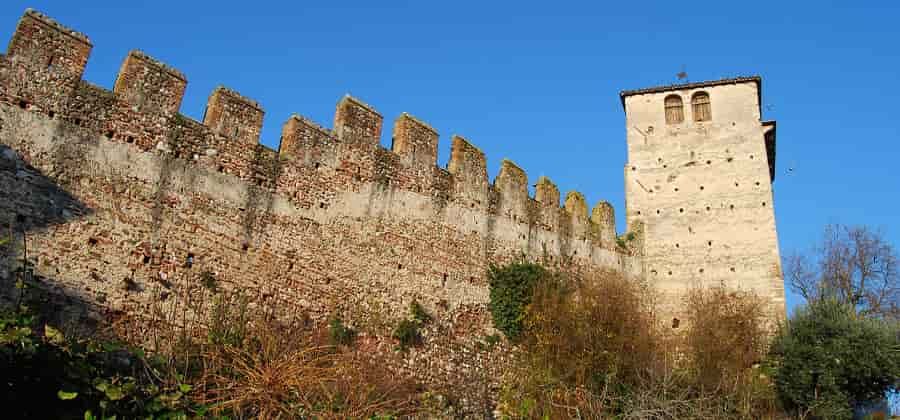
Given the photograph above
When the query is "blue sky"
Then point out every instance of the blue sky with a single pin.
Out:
(538, 82)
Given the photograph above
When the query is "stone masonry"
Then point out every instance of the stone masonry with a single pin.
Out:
(117, 188)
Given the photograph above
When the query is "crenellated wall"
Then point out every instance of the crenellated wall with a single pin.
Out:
(331, 222)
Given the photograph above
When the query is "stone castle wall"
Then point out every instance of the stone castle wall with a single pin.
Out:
(116, 185)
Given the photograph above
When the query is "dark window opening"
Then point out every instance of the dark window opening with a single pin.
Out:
(189, 261)
(675, 323)
(322, 205)
(732, 206)
(317, 165)
(657, 211)
(399, 266)
(129, 139)
(701, 188)
(670, 273)
(221, 168)
(764, 203)
(677, 246)
(78, 122)
(92, 241)
(51, 114)
(146, 259)
(110, 134)
(751, 156)
(23, 104)
(681, 210)
(707, 208)
(732, 269)
(709, 243)
(245, 247)
(709, 162)
(701, 270)
(729, 159)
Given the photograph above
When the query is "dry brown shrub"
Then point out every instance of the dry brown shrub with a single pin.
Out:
(584, 336)
(244, 362)
(593, 349)
(725, 335)
(278, 375)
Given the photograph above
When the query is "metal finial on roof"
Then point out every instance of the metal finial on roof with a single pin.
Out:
(682, 75)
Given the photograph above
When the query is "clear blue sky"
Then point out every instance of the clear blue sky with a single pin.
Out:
(538, 82)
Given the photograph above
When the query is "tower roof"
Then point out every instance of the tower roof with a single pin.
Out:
(656, 89)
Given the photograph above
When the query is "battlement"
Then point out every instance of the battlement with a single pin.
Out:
(50, 23)
(142, 109)
(415, 141)
(232, 115)
(357, 122)
(149, 84)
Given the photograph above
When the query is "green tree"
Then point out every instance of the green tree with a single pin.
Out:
(829, 359)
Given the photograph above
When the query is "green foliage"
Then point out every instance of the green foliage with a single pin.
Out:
(512, 288)
(228, 321)
(492, 340)
(339, 333)
(208, 280)
(71, 378)
(828, 359)
(623, 240)
(407, 332)
(418, 313)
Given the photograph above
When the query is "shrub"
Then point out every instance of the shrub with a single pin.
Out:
(829, 359)
(208, 280)
(65, 377)
(418, 313)
(725, 335)
(339, 333)
(407, 332)
(512, 287)
(593, 348)
(581, 338)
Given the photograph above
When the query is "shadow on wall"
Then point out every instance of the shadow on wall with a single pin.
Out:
(32, 202)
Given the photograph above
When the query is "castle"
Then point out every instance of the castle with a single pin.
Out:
(114, 193)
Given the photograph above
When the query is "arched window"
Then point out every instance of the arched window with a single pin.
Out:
(674, 110)
(700, 107)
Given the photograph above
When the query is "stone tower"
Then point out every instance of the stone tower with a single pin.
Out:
(701, 162)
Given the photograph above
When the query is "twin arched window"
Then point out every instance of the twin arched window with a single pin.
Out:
(700, 108)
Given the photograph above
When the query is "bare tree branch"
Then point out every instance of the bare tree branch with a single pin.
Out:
(853, 264)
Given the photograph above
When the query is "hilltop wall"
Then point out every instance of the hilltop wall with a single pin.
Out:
(330, 223)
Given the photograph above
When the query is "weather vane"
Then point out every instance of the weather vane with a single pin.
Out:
(682, 75)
